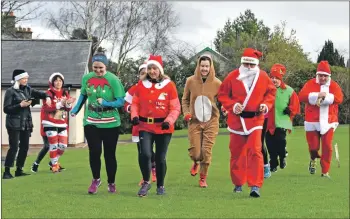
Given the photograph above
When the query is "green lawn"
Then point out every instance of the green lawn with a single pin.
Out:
(290, 193)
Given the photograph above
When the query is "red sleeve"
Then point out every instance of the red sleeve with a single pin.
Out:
(174, 105)
(304, 94)
(135, 105)
(225, 93)
(294, 105)
(338, 94)
(128, 98)
(47, 108)
(270, 94)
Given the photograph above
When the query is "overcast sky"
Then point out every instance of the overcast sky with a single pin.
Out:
(314, 22)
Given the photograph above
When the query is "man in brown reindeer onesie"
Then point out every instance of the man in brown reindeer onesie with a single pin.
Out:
(202, 115)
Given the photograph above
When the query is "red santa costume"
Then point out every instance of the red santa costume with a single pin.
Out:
(252, 89)
(54, 120)
(321, 119)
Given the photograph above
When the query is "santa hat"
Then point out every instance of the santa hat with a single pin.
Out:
(18, 74)
(251, 56)
(323, 68)
(156, 60)
(278, 70)
(54, 75)
(144, 65)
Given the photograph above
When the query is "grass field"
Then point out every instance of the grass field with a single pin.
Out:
(289, 193)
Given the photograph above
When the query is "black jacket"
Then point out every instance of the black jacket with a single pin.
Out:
(20, 118)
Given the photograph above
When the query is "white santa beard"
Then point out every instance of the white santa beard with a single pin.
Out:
(247, 75)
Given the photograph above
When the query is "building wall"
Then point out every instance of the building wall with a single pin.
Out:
(76, 131)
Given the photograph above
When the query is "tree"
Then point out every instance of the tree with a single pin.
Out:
(331, 55)
(245, 31)
(13, 12)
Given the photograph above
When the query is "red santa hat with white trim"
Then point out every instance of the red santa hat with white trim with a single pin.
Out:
(323, 68)
(251, 56)
(157, 61)
(144, 65)
(54, 75)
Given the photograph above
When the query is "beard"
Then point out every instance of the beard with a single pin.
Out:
(247, 72)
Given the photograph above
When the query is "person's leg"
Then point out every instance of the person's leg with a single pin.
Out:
(11, 153)
(195, 133)
(52, 136)
(238, 160)
(110, 138)
(153, 161)
(139, 159)
(263, 148)
(280, 136)
(255, 170)
(146, 142)
(313, 140)
(209, 136)
(94, 140)
(23, 152)
(271, 144)
(162, 143)
(327, 150)
(43, 151)
(62, 143)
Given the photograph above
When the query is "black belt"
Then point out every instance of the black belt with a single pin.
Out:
(100, 108)
(249, 114)
(151, 120)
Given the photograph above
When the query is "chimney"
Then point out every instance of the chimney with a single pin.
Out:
(8, 21)
(24, 33)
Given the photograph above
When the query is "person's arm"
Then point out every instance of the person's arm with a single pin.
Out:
(118, 93)
(333, 98)
(308, 97)
(269, 97)
(224, 94)
(8, 105)
(135, 105)
(174, 105)
(294, 105)
(185, 101)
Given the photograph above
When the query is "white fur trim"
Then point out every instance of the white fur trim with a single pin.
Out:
(153, 62)
(142, 66)
(247, 132)
(328, 100)
(128, 109)
(54, 74)
(250, 91)
(135, 138)
(162, 84)
(324, 114)
(147, 83)
(323, 73)
(128, 97)
(47, 123)
(20, 76)
(315, 126)
(250, 60)
(267, 109)
(313, 98)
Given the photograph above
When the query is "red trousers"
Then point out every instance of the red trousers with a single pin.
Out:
(313, 139)
(246, 163)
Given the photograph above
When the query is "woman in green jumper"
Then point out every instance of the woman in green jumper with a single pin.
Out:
(280, 118)
(105, 93)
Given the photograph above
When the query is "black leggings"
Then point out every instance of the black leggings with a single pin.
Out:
(153, 157)
(146, 143)
(18, 141)
(276, 144)
(263, 149)
(109, 136)
(43, 150)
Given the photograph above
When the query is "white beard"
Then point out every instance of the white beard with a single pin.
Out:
(247, 75)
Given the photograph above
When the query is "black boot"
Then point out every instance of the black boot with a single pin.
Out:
(19, 172)
(7, 175)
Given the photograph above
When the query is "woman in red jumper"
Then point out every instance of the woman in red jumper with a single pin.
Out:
(135, 130)
(155, 108)
(54, 119)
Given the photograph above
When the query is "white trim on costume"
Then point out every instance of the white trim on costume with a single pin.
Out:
(323, 73)
(250, 60)
(22, 75)
(135, 138)
(153, 62)
(162, 84)
(312, 97)
(128, 97)
(244, 133)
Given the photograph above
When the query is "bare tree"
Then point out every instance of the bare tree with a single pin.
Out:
(14, 12)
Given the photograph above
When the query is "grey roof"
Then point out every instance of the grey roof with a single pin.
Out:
(40, 58)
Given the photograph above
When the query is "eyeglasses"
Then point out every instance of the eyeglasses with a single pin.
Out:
(249, 65)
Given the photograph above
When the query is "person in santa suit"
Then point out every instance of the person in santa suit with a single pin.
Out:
(280, 118)
(321, 96)
(155, 108)
(54, 119)
(247, 94)
(202, 115)
(135, 131)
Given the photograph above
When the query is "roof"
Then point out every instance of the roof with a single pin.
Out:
(40, 58)
(207, 49)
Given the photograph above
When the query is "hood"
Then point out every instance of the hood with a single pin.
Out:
(211, 75)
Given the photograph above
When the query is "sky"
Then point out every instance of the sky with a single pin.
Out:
(314, 22)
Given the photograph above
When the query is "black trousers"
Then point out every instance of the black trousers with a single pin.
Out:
(264, 150)
(153, 157)
(44, 150)
(146, 143)
(276, 145)
(17, 139)
(109, 137)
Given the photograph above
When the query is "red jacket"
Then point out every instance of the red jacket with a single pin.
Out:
(326, 116)
(156, 100)
(233, 91)
(127, 105)
(47, 113)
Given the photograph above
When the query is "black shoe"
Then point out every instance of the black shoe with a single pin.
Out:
(7, 175)
(283, 163)
(20, 173)
(61, 168)
(34, 168)
(144, 189)
(160, 190)
(273, 169)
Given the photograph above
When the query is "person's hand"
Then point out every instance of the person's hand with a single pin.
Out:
(188, 117)
(238, 109)
(286, 111)
(322, 95)
(135, 121)
(99, 100)
(224, 111)
(165, 125)
(73, 114)
(63, 101)
(262, 108)
(25, 103)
